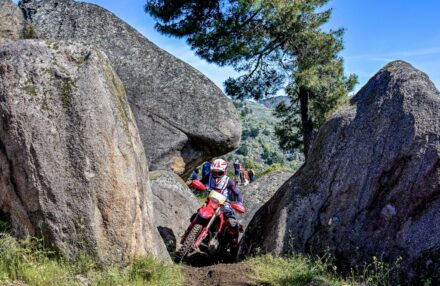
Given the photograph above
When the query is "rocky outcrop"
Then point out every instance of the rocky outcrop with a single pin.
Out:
(273, 102)
(72, 165)
(174, 203)
(182, 116)
(371, 185)
(259, 192)
(12, 22)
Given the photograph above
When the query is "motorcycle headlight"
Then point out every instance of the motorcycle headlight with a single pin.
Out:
(214, 201)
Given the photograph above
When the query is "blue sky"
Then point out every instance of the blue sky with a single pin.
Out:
(381, 31)
(377, 31)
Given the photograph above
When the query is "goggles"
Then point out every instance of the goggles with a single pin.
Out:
(217, 174)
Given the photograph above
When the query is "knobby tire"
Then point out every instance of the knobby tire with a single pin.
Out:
(189, 243)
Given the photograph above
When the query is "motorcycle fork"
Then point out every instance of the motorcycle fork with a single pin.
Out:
(205, 230)
(222, 222)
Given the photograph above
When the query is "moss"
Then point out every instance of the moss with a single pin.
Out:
(30, 89)
(45, 105)
(118, 92)
(53, 45)
(67, 89)
(50, 71)
(68, 85)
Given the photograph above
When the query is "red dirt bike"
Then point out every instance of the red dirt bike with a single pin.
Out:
(209, 231)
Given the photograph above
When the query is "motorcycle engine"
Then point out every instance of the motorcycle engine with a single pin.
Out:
(213, 246)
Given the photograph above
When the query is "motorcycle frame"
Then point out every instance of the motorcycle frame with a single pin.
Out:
(217, 213)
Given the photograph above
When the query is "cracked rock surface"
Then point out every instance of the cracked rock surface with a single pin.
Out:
(183, 117)
(72, 165)
(371, 186)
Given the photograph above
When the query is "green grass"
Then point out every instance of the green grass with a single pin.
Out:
(295, 270)
(299, 269)
(27, 261)
(272, 168)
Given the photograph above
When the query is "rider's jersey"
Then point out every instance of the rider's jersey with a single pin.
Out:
(226, 186)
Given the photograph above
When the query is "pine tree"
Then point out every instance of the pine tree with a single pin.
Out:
(275, 45)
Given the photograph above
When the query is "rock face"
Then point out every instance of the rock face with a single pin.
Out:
(182, 116)
(72, 165)
(259, 192)
(11, 23)
(371, 185)
(174, 203)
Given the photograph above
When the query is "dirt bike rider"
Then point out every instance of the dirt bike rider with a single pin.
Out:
(220, 182)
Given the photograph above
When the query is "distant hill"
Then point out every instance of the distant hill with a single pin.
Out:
(272, 102)
(259, 146)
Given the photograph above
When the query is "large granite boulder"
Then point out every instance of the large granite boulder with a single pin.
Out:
(174, 203)
(259, 192)
(183, 117)
(12, 22)
(72, 165)
(371, 186)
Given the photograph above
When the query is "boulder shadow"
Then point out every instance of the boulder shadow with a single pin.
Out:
(169, 238)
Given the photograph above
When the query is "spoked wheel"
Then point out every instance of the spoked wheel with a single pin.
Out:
(189, 243)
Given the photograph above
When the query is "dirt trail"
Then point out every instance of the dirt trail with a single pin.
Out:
(237, 274)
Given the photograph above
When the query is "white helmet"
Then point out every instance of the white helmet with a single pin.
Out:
(218, 168)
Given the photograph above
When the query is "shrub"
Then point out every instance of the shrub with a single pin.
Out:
(251, 132)
(254, 131)
(238, 104)
(249, 164)
(266, 132)
(271, 168)
(243, 150)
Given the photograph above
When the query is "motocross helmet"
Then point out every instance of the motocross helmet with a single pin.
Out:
(218, 169)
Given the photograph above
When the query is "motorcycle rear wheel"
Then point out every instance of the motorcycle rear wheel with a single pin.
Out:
(189, 243)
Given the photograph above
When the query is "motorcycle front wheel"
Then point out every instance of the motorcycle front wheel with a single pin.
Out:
(189, 243)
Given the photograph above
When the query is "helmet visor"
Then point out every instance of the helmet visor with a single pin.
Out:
(217, 174)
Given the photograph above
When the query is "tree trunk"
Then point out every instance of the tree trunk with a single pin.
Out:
(306, 123)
